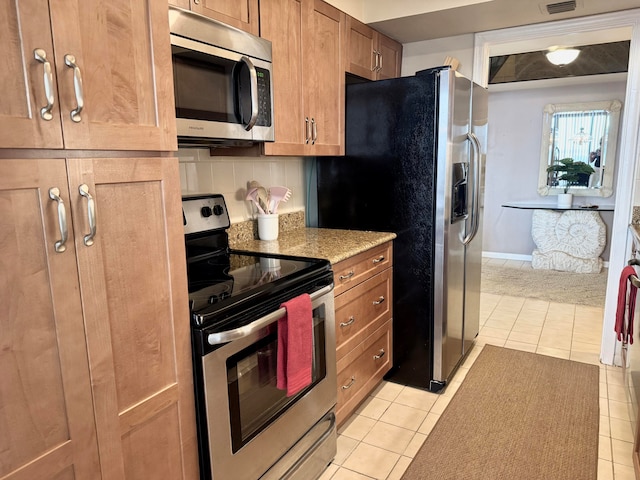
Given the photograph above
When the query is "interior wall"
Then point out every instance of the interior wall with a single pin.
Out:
(431, 53)
(513, 161)
(201, 173)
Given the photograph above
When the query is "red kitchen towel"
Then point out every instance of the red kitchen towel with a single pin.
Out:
(295, 345)
(625, 332)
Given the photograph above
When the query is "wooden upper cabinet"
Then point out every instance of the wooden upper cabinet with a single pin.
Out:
(281, 23)
(242, 14)
(25, 29)
(46, 409)
(361, 47)
(324, 79)
(308, 77)
(390, 58)
(110, 84)
(370, 54)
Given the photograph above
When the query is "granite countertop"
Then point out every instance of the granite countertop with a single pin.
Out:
(334, 245)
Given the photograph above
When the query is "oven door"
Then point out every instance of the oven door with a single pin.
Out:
(251, 424)
(220, 94)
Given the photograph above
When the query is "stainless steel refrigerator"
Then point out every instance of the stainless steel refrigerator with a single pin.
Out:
(415, 149)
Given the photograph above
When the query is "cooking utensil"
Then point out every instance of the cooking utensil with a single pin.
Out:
(252, 195)
(277, 195)
(260, 196)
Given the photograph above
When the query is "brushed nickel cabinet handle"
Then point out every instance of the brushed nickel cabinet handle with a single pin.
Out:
(54, 194)
(379, 355)
(349, 322)
(307, 130)
(375, 66)
(70, 61)
(347, 276)
(380, 67)
(41, 56)
(91, 214)
(314, 131)
(379, 259)
(379, 301)
(350, 384)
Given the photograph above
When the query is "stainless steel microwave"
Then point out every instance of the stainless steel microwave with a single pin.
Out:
(222, 82)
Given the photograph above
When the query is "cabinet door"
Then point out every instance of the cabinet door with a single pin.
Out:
(135, 301)
(281, 23)
(390, 57)
(361, 43)
(323, 80)
(242, 14)
(24, 28)
(46, 411)
(123, 59)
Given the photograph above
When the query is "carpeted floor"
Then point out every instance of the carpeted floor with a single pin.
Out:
(549, 285)
(517, 415)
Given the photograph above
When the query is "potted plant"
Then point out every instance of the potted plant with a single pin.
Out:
(572, 173)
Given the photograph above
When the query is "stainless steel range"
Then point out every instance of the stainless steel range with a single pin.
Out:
(248, 428)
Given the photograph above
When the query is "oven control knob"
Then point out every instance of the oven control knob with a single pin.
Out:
(206, 211)
(218, 210)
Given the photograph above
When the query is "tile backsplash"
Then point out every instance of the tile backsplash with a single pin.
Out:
(201, 173)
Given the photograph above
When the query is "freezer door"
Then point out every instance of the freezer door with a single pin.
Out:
(473, 254)
(452, 212)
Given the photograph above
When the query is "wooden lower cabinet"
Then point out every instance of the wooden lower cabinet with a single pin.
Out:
(363, 315)
(360, 371)
(95, 346)
(46, 411)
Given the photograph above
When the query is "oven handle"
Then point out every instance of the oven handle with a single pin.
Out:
(237, 333)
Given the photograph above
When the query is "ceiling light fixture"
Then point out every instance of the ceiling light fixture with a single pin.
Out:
(562, 56)
(581, 137)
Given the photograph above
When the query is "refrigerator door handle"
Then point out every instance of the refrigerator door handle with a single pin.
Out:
(475, 159)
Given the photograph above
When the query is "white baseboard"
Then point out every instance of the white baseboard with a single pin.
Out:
(507, 256)
(517, 256)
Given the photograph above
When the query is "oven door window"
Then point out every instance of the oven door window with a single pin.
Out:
(203, 86)
(254, 400)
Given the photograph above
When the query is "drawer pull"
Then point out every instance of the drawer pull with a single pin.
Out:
(350, 384)
(379, 259)
(379, 355)
(379, 301)
(346, 324)
(347, 276)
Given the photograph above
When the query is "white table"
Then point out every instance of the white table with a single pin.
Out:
(567, 239)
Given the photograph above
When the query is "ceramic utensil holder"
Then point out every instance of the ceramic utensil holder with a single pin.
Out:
(268, 226)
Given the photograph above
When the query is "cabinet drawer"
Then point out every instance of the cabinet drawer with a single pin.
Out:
(361, 310)
(348, 273)
(362, 369)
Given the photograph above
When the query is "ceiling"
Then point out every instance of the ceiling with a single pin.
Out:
(488, 15)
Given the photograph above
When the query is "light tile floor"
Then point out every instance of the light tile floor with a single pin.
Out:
(381, 438)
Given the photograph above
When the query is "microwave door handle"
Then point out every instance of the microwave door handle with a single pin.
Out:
(254, 92)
